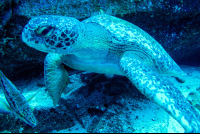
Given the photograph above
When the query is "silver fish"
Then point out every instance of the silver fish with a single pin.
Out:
(18, 104)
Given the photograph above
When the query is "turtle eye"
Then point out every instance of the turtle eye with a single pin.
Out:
(44, 31)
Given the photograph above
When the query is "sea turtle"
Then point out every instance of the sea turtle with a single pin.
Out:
(109, 45)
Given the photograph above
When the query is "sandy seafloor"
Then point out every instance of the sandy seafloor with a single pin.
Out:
(136, 115)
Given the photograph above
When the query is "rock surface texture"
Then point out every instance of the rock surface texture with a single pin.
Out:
(174, 24)
(100, 103)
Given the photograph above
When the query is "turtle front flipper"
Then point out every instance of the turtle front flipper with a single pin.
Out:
(165, 95)
(55, 76)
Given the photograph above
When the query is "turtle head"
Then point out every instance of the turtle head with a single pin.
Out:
(51, 33)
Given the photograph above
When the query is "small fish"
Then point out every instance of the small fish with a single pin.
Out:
(16, 102)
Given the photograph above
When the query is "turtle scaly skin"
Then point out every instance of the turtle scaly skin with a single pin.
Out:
(109, 45)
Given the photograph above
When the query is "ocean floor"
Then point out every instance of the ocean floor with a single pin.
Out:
(100, 103)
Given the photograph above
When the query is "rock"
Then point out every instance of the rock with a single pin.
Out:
(174, 24)
(5, 14)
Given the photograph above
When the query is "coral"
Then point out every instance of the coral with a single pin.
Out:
(194, 99)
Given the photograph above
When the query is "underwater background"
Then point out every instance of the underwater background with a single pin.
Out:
(98, 102)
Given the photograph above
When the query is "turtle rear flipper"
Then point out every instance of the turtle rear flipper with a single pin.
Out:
(165, 95)
(55, 76)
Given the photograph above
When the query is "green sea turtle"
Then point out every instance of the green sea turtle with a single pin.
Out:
(109, 45)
